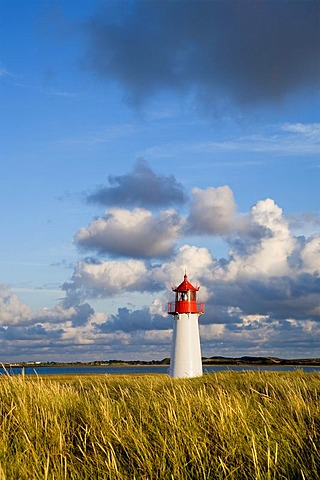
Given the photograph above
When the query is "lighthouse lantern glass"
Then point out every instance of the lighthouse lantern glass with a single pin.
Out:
(185, 299)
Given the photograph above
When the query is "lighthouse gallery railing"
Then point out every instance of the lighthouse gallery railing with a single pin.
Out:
(185, 307)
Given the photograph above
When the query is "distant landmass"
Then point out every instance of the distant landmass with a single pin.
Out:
(217, 360)
(259, 361)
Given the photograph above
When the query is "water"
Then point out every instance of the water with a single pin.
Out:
(147, 369)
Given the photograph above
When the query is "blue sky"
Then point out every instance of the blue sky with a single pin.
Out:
(143, 138)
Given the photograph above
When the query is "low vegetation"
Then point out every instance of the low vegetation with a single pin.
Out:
(228, 425)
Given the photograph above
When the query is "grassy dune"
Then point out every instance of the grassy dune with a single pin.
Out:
(229, 425)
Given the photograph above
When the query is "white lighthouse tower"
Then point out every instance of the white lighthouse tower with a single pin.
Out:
(186, 351)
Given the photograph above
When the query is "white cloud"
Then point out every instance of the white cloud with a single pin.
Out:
(213, 211)
(253, 320)
(276, 247)
(208, 332)
(263, 297)
(196, 261)
(57, 312)
(12, 310)
(110, 277)
(134, 233)
(269, 252)
(156, 308)
(310, 255)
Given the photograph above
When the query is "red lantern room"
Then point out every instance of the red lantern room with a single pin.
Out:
(186, 299)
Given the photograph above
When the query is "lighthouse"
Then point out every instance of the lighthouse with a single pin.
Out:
(186, 351)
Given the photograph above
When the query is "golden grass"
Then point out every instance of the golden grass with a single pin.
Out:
(228, 425)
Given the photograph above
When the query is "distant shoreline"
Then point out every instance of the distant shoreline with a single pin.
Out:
(227, 361)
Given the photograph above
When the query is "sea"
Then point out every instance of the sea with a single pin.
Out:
(146, 369)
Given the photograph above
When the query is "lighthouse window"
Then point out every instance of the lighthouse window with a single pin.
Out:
(183, 296)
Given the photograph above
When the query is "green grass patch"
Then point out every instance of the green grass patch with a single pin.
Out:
(227, 425)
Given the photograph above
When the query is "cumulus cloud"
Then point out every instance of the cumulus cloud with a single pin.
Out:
(259, 335)
(267, 253)
(310, 255)
(135, 233)
(196, 261)
(213, 211)
(264, 296)
(268, 271)
(274, 275)
(58, 333)
(12, 310)
(243, 51)
(140, 188)
(108, 278)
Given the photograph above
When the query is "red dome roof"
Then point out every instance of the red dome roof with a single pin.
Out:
(185, 286)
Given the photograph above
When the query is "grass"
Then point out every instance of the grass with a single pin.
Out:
(228, 425)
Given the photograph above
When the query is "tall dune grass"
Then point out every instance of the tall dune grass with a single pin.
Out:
(229, 425)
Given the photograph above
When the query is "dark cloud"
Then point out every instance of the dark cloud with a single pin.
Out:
(83, 313)
(216, 313)
(140, 188)
(237, 50)
(285, 339)
(280, 298)
(284, 297)
(129, 321)
(31, 333)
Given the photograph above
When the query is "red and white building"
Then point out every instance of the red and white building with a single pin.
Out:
(186, 351)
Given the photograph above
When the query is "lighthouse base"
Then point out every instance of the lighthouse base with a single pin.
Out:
(186, 352)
